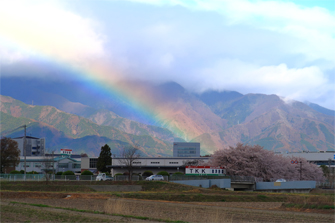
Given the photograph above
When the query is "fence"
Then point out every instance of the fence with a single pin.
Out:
(43, 177)
(20, 177)
(126, 177)
(196, 177)
(326, 184)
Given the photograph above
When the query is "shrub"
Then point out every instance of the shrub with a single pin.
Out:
(164, 173)
(86, 172)
(32, 172)
(15, 172)
(59, 173)
(118, 174)
(178, 173)
(147, 173)
(22, 171)
(69, 172)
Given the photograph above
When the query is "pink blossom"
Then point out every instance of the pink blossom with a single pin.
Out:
(247, 160)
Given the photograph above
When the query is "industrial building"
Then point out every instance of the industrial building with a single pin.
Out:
(154, 164)
(40, 164)
(186, 149)
(34, 146)
(326, 158)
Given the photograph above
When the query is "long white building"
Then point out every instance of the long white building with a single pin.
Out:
(154, 164)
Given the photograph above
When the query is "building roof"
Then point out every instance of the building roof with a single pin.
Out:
(182, 158)
(27, 137)
(313, 156)
(74, 156)
(45, 159)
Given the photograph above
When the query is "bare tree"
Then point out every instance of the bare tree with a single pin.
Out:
(49, 166)
(129, 155)
(10, 153)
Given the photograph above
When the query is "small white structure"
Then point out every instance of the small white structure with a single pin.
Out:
(66, 151)
(205, 170)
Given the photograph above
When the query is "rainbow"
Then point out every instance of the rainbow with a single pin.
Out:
(96, 74)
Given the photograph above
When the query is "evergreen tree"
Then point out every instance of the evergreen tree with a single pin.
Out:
(105, 158)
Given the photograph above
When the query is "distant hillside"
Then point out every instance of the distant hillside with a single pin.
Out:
(321, 109)
(270, 122)
(59, 128)
(215, 119)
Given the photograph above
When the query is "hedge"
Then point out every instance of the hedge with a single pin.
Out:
(164, 173)
(147, 173)
(86, 172)
(69, 172)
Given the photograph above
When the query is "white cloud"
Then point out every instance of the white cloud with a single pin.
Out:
(268, 47)
(45, 28)
(308, 83)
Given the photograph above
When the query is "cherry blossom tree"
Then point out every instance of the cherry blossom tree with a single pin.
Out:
(247, 160)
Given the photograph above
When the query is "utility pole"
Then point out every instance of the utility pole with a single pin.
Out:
(300, 169)
(25, 150)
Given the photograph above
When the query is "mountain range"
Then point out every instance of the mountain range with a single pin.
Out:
(71, 117)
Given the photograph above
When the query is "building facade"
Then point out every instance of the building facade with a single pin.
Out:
(40, 164)
(319, 158)
(89, 163)
(186, 149)
(34, 146)
(156, 164)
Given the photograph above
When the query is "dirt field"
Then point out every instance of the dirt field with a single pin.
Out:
(232, 211)
(24, 213)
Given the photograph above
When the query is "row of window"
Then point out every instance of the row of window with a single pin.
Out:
(185, 155)
(186, 152)
(93, 162)
(155, 162)
(187, 148)
(50, 165)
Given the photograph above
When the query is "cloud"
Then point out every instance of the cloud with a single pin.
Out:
(308, 83)
(314, 27)
(33, 28)
(270, 47)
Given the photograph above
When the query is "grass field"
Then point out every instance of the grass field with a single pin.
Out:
(77, 194)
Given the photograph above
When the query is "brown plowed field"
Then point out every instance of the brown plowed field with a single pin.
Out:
(233, 211)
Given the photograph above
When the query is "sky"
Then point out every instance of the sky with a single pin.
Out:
(250, 46)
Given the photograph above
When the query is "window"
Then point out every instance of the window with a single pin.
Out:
(186, 152)
(136, 162)
(27, 164)
(76, 165)
(63, 165)
(154, 162)
(93, 162)
(49, 165)
(38, 165)
(173, 162)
